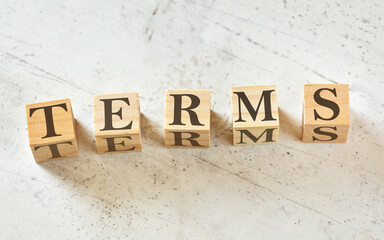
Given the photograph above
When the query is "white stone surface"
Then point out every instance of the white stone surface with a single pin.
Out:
(291, 190)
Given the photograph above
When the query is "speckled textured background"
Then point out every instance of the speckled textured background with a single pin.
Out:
(51, 50)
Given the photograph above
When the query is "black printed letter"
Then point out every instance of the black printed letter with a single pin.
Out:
(49, 118)
(319, 130)
(253, 112)
(54, 150)
(268, 138)
(179, 139)
(326, 103)
(108, 114)
(177, 109)
(112, 145)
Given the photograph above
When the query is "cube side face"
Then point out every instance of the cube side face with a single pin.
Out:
(50, 125)
(254, 110)
(198, 101)
(255, 136)
(51, 130)
(117, 114)
(120, 143)
(187, 116)
(187, 139)
(326, 113)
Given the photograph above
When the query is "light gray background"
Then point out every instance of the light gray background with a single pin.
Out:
(77, 49)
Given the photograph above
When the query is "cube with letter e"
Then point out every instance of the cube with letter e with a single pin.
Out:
(255, 115)
(117, 123)
(187, 118)
(51, 130)
(326, 113)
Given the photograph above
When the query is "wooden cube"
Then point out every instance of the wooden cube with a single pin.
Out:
(255, 115)
(187, 118)
(117, 123)
(51, 130)
(326, 113)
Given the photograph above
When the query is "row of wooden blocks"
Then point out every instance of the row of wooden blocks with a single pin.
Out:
(187, 120)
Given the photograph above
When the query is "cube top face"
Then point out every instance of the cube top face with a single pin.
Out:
(254, 106)
(326, 104)
(187, 110)
(117, 114)
(50, 122)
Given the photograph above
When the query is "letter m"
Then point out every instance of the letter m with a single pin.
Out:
(265, 97)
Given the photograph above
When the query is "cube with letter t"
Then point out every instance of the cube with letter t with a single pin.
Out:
(187, 118)
(51, 130)
(255, 115)
(117, 123)
(326, 113)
